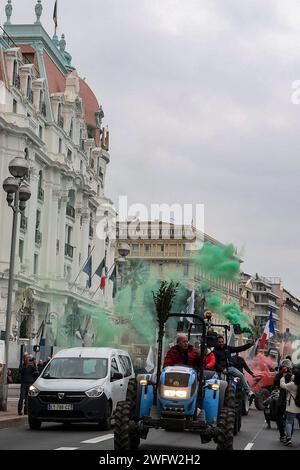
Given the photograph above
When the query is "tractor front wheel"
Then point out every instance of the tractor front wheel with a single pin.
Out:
(126, 436)
(226, 429)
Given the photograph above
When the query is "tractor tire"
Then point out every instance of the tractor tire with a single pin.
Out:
(229, 399)
(125, 438)
(224, 438)
(131, 394)
(260, 397)
(245, 405)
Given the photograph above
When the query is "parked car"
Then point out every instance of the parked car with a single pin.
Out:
(80, 385)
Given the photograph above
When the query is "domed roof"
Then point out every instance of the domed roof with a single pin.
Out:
(91, 105)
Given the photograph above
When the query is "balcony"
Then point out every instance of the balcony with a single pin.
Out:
(23, 223)
(91, 232)
(41, 194)
(69, 251)
(38, 237)
(17, 81)
(70, 211)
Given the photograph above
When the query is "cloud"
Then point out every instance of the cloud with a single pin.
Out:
(198, 99)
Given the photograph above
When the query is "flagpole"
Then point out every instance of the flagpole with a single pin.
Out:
(90, 255)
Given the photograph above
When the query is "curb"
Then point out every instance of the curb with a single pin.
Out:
(12, 422)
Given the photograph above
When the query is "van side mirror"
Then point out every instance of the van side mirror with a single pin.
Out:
(116, 376)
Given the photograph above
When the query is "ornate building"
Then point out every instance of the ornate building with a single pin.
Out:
(49, 115)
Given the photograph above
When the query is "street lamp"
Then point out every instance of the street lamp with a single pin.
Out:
(124, 251)
(18, 193)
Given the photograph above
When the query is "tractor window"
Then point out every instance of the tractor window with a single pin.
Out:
(174, 379)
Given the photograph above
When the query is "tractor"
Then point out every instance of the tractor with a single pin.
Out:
(179, 399)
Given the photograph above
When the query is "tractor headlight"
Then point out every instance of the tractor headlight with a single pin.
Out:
(143, 382)
(33, 391)
(95, 392)
(175, 393)
(215, 386)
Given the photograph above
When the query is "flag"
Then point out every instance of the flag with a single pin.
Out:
(269, 331)
(191, 306)
(102, 273)
(150, 361)
(55, 14)
(103, 278)
(113, 279)
(88, 270)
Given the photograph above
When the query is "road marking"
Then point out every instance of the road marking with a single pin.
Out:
(98, 439)
(66, 448)
(249, 446)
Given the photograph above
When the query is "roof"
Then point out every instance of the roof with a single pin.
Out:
(90, 101)
(89, 352)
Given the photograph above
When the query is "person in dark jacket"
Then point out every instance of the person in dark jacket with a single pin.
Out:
(183, 354)
(28, 375)
(240, 364)
(223, 355)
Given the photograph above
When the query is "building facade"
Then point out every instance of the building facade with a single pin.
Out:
(51, 117)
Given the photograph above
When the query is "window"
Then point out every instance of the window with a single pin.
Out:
(21, 250)
(135, 248)
(114, 367)
(69, 231)
(59, 145)
(81, 165)
(36, 264)
(15, 106)
(185, 269)
(38, 220)
(41, 132)
(69, 155)
(98, 190)
(147, 248)
(126, 365)
(162, 248)
(29, 93)
(71, 129)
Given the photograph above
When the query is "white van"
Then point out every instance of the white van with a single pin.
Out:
(80, 385)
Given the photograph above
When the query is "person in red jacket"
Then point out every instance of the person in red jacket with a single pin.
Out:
(185, 354)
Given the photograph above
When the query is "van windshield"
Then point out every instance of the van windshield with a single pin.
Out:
(76, 368)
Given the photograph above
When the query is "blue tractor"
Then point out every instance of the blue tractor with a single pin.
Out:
(180, 399)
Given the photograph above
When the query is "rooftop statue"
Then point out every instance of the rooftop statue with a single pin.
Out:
(38, 11)
(8, 11)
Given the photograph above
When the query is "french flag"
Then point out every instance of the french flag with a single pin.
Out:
(269, 331)
(103, 278)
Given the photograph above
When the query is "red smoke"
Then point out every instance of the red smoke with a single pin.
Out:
(264, 367)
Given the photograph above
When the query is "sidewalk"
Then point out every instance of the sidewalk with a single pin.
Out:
(10, 418)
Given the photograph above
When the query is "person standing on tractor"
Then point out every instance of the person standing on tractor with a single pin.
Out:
(223, 363)
(184, 353)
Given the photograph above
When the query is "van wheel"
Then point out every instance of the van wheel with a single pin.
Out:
(105, 423)
(34, 424)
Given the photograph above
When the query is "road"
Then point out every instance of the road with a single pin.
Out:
(253, 436)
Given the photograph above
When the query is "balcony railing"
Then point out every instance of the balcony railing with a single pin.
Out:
(23, 223)
(70, 211)
(38, 237)
(69, 250)
(17, 81)
(41, 194)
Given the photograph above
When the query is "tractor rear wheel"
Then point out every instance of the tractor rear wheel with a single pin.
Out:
(225, 429)
(126, 436)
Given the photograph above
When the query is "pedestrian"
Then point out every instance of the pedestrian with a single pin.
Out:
(28, 374)
(40, 366)
(292, 403)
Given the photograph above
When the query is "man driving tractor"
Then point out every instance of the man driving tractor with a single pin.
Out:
(186, 354)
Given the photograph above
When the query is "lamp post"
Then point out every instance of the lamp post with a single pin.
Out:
(18, 193)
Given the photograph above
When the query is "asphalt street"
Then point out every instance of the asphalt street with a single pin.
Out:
(253, 436)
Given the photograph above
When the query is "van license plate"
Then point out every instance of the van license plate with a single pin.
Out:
(60, 407)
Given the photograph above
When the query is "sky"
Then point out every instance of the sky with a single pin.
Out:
(199, 101)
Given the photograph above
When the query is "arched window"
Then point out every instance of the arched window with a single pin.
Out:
(26, 154)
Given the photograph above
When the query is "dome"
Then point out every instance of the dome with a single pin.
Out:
(91, 105)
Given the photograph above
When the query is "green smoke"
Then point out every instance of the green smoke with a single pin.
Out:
(218, 261)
